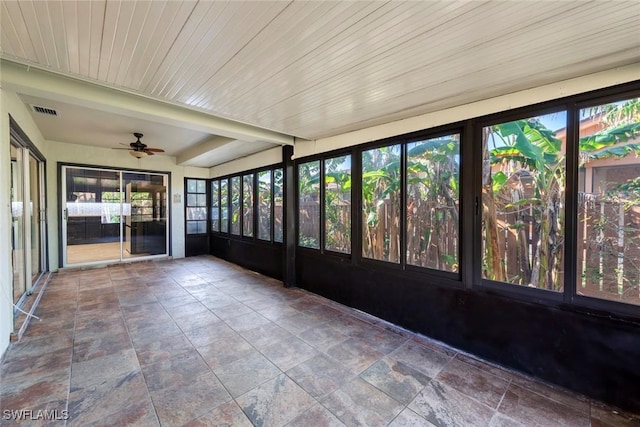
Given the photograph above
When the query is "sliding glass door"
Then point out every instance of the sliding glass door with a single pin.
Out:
(17, 224)
(28, 228)
(111, 215)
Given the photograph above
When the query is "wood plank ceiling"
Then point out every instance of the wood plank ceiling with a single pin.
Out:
(319, 68)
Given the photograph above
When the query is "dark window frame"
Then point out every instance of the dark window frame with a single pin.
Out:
(227, 203)
(509, 289)
(323, 208)
(186, 205)
(253, 205)
(469, 273)
(219, 207)
(365, 260)
(297, 165)
(455, 130)
(280, 168)
(271, 203)
(604, 96)
(320, 158)
(228, 178)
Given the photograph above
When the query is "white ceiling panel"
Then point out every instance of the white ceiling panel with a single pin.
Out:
(108, 130)
(314, 69)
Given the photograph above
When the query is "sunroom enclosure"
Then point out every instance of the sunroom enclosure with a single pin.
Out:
(513, 236)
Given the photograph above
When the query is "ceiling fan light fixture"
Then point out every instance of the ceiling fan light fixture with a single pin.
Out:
(138, 149)
(137, 154)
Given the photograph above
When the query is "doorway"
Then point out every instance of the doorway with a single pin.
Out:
(112, 215)
(28, 217)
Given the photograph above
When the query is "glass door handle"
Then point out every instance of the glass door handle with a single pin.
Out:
(65, 214)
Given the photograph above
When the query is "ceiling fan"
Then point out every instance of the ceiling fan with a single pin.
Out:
(138, 149)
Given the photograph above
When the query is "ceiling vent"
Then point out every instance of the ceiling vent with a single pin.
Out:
(44, 110)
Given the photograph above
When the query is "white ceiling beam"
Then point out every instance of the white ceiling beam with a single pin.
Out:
(36, 82)
(192, 154)
(252, 161)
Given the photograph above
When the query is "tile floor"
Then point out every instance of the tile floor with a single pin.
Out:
(201, 342)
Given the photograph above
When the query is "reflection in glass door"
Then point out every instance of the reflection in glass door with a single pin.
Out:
(36, 218)
(113, 215)
(28, 238)
(92, 211)
(146, 217)
(17, 224)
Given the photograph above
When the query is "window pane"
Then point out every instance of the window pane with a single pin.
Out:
(432, 202)
(201, 186)
(278, 198)
(196, 213)
(235, 205)
(337, 184)
(247, 205)
(523, 182)
(224, 205)
(201, 200)
(381, 203)
(309, 204)
(192, 227)
(264, 205)
(215, 206)
(196, 227)
(192, 186)
(609, 202)
(192, 200)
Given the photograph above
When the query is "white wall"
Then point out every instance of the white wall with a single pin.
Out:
(60, 152)
(10, 104)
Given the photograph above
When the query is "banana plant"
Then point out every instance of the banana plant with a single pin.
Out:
(381, 203)
(309, 215)
(432, 203)
(337, 213)
(525, 150)
(525, 170)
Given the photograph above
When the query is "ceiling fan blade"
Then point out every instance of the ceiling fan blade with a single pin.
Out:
(155, 150)
(149, 153)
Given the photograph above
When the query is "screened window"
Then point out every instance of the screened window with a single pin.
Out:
(215, 205)
(381, 203)
(309, 204)
(337, 204)
(523, 193)
(247, 205)
(433, 182)
(608, 239)
(224, 205)
(278, 204)
(196, 214)
(264, 205)
(236, 190)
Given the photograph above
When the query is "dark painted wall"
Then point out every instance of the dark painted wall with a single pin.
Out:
(592, 354)
(196, 244)
(585, 351)
(263, 257)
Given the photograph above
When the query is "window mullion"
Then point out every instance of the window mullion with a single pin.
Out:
(571, 205)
